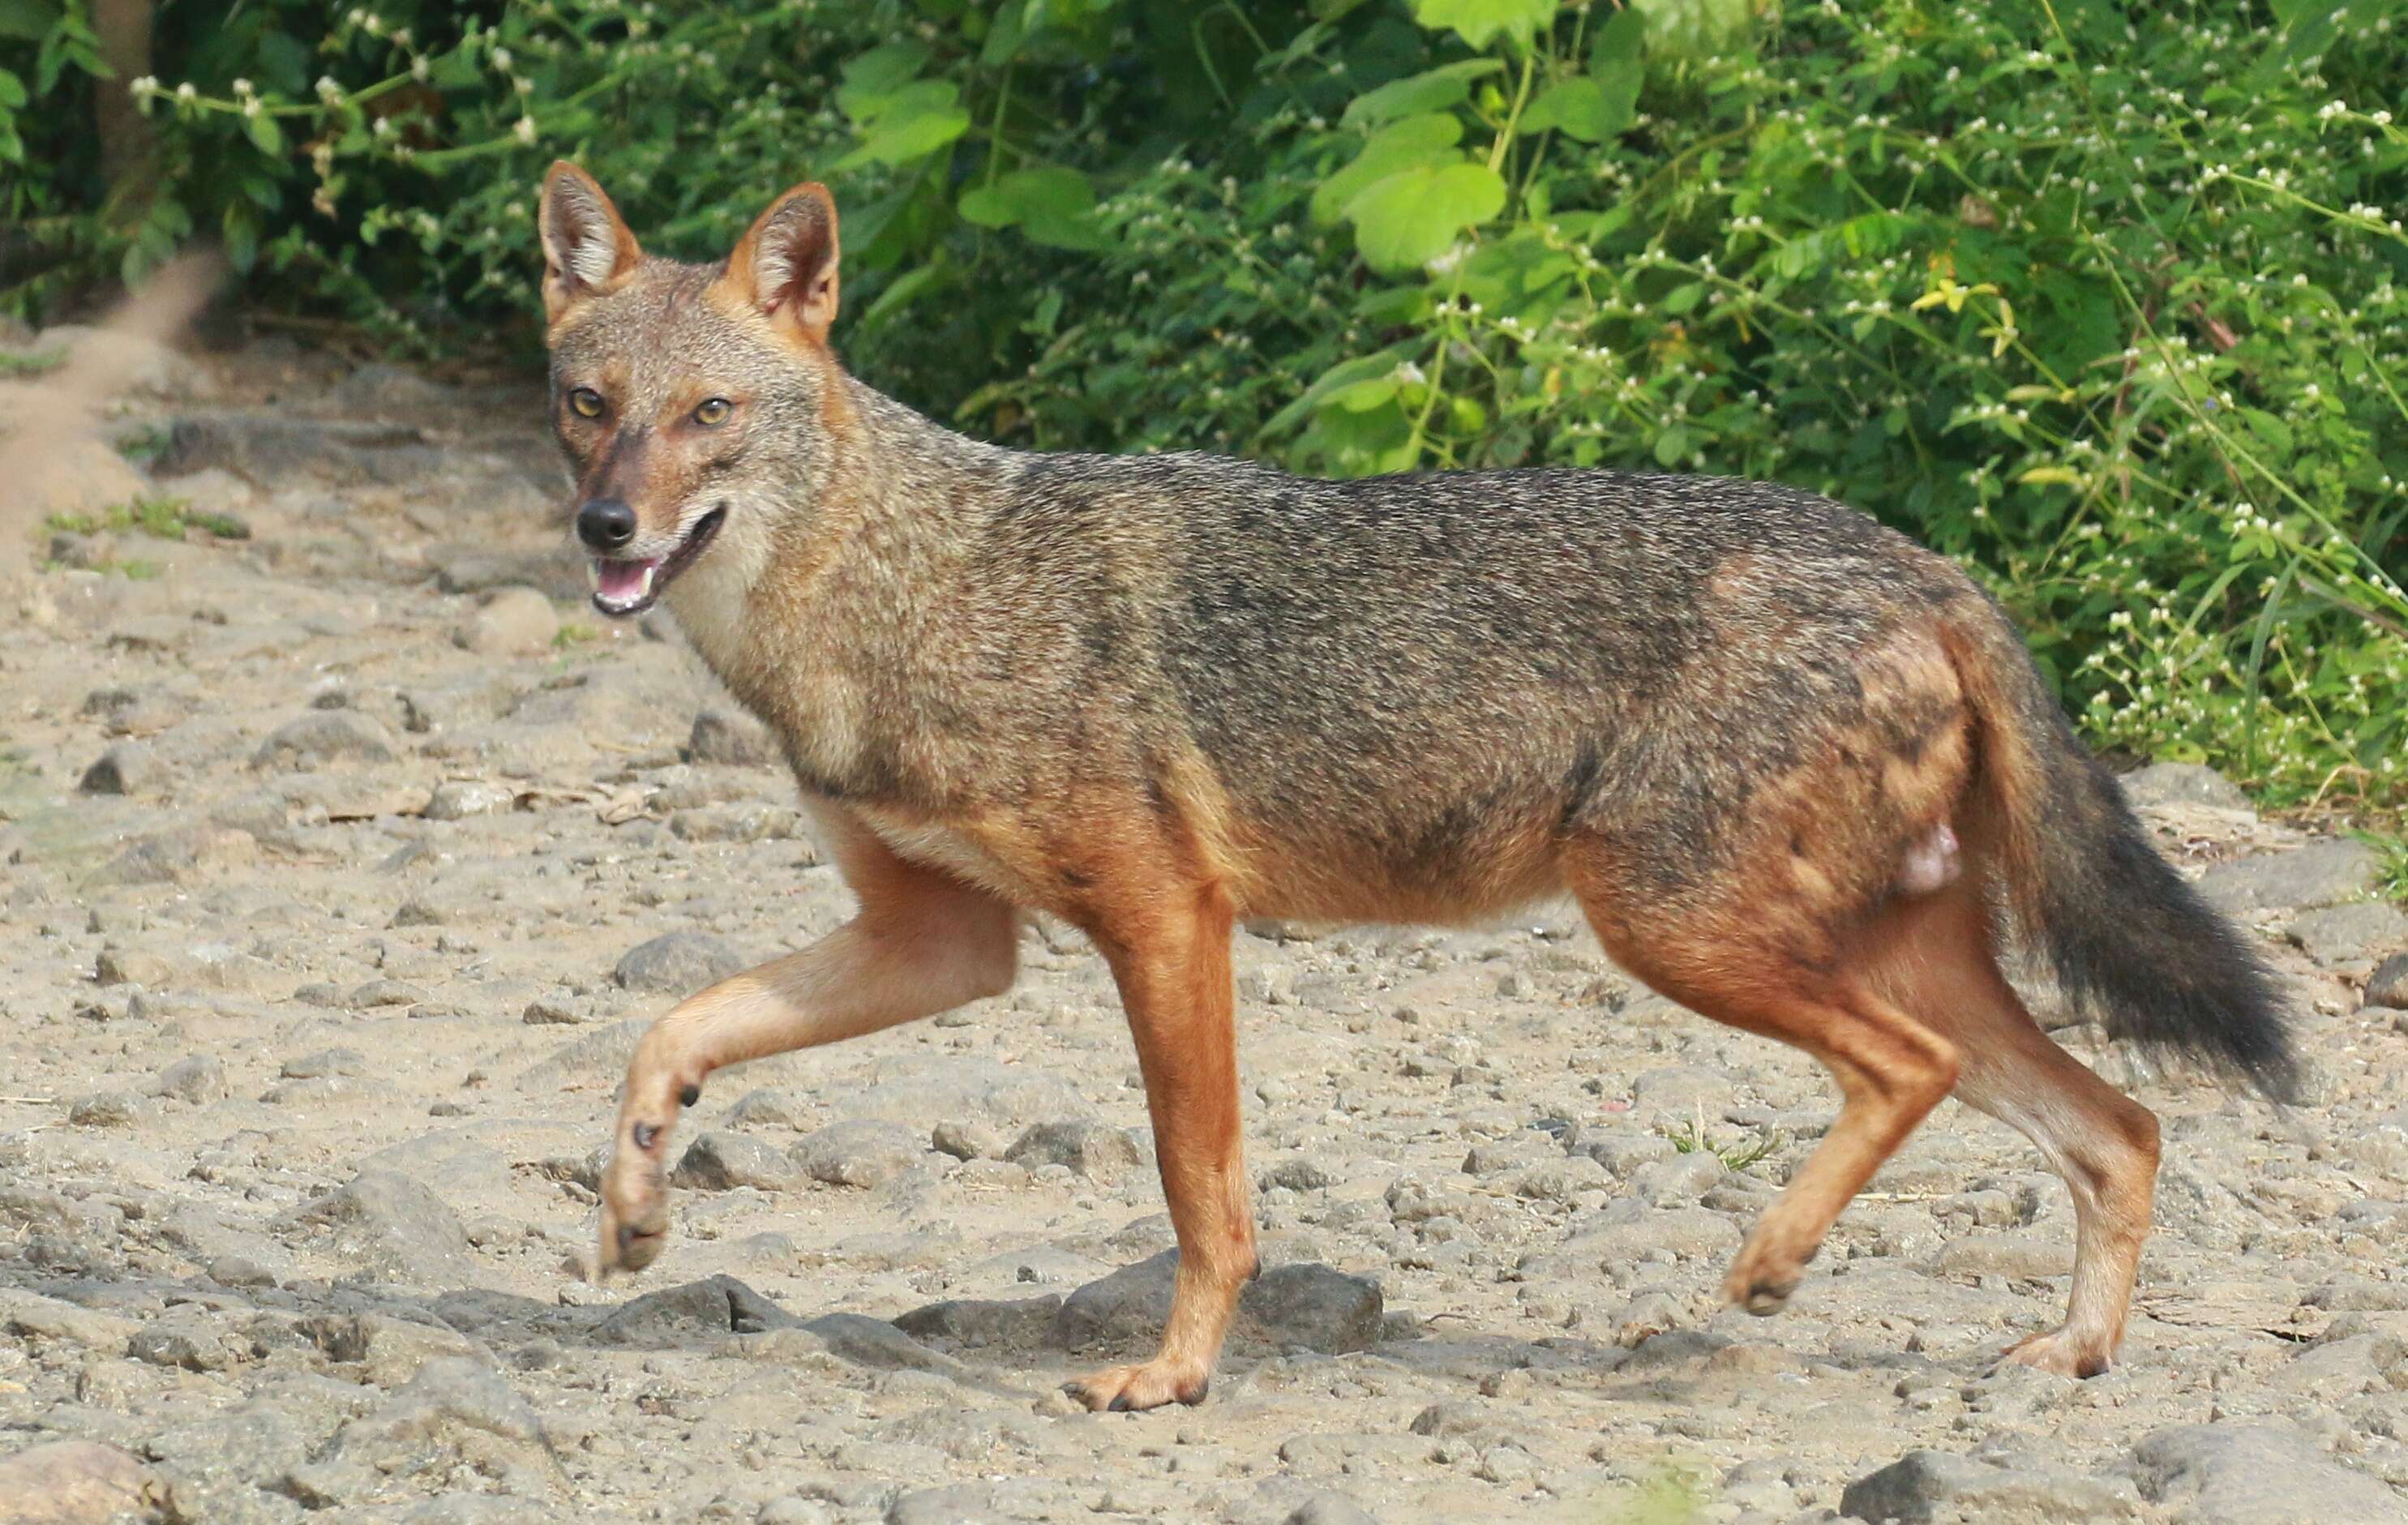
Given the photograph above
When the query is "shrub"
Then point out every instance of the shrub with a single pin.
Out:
(2105, 300)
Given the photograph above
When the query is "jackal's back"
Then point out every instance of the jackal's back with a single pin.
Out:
(1407, 675)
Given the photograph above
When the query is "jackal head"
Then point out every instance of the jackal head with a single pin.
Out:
(694, 401)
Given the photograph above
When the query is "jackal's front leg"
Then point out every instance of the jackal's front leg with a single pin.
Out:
(1174, 981)
(922, 944)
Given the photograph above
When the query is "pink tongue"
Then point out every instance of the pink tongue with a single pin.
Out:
(621, 581)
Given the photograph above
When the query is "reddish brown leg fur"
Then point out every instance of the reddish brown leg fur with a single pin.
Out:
(921, 944)
(1939, 960)
(1173, 970)
(1732, 964)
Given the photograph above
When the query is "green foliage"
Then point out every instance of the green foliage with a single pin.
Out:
(2108, 301)
(161, 518)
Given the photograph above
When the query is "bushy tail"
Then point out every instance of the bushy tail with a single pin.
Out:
(2132, 943)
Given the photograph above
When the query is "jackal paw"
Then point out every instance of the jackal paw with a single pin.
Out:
(635, 1216)
(1160, 1381)
(1761, 1280)
(2059, 1351)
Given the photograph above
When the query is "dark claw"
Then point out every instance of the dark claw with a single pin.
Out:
(2095, 1366)
(646, 1134)
(689, 1096)
(1198, 1394)
(1120, 1405)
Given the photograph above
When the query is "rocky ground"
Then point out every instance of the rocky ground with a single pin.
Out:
(346, 854)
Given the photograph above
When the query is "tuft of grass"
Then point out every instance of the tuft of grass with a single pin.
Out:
(1691, 1138)
(162, 518)
(24, 363)
(144, 445)
(2393, 883)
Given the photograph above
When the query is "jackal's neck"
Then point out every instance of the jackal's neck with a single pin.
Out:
(859, 591)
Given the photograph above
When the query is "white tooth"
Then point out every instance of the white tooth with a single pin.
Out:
(649, 567)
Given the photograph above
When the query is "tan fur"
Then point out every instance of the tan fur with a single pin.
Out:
(1785, 762)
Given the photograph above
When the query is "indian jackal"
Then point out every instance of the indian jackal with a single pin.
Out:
(1798, 772)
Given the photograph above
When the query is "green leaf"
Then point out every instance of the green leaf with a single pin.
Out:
(1576, 107)
(1005, 34)
(872, 80)
(27, 20)
(1399, 145)
(1050, 205)
(1409, 217)
(914, 123)
(240, 229)
(1479, 22)
(1433, 90)
(265, 133)
(12, 92)
(1617, 61)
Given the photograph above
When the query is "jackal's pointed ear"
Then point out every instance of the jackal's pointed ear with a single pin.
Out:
(586, 246)
(785, 264)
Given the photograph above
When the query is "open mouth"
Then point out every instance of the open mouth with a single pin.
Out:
(622, 587)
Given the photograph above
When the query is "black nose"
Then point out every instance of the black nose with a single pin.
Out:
(606, 524)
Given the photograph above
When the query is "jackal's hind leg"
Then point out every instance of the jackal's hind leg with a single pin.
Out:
(1942, 967)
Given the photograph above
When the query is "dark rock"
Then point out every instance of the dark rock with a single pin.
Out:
(272, 450)
(720, 1161)
(1309, 1306)
(393, 1224)
(2255, 1474)
(2321, 875)
(179, 856)
(736, 740)
(2181, 784)
(126, 768)
(326, 736)
(860, 1152)
(1095, 1150)
(697, 1313)
(2359, 932)
(977, 1324)
(197, 1078)
(678, 963)
(1934, 1488)
(2388, 985)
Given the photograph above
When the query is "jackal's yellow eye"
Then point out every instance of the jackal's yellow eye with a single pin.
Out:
(587, 402)
(713, 410)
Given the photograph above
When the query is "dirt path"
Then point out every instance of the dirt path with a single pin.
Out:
(341, 869)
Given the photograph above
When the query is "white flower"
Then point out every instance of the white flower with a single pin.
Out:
(327, 89)
(242, 87)
(502, 59)
(526, 129)
(185, 90)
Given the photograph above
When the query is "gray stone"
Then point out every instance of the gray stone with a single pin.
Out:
(769, 1108)
(325, 1061)
(967, 1139)
(216, 1461)
(455, 1406)
(456, 799)
(1304, 1305)
(196, 1078)
(1326, 1508)
(2255, 1474)
(273, 449)
(954, 1504)
(180, 856)
(860, 1152)
(678, 963)
(102, 1109)
(393, 1224)
(126, 768)
(977, 1324)
(2181, 784)
(696, 1314)
(81, 1482)
(736, 740)
(514, 621)
(2320, 875)
(748, 820)
(2359, 932)
(720, 1161)
(323, 735)
(2388, 985)
(1934, 1488)
(1005, 1096)
(1095, 1150)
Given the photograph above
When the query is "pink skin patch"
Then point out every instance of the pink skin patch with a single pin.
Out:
(1931, 863)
